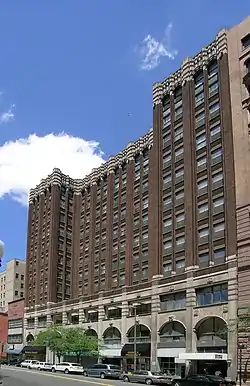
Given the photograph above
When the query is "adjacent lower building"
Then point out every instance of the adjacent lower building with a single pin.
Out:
(12, 282)
(161, 229)
(15, 341)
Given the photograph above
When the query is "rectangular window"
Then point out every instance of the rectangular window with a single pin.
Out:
(202, 184)
(203, 208)
(212, 295)
(220, 227)
(167, 268)
(167, 180)
(204, 232)
(167, 246)
(179, 195)
(203, 259)
(166, 159)
(219, 254)
(214, 110)
(201, 161)
(180, 264)
(199, 98)
(145, 203)
(200, 141)
(180, 240)
(218, 177)
(179, 152)
(166, 139)
(178, 133)
(215, 131)
(200, 119)
(167, 223)
(144, 273)
(218, 202)
(180, 218)
(171, 302)
(179, 173)
(167, 202)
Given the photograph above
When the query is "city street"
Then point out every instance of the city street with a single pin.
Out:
(12, 376)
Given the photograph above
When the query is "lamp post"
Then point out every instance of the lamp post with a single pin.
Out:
(134, 307)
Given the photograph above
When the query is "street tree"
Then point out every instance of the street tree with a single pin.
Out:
(53, 338)
(80, 343)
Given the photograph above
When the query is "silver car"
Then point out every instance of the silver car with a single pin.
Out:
(148, 377)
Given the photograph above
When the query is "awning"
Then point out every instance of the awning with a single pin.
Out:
(142, 350)
(33, 349)
(14, 351)
(200, 356)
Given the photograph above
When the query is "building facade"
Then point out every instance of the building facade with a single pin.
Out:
(12, 282)
(3, 333)
(161, 230)
(15, 327)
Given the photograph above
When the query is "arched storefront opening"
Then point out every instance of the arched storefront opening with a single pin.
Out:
(172, 336)
(112, 336)
(211, 336)
(138, 347)
(91, 332)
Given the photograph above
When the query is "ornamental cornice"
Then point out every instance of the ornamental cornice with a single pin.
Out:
(190, 66)
(78, 185)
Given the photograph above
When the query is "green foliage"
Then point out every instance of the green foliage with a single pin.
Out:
(63, 340)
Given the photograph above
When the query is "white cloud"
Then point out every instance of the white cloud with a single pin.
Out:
(8, 115)
(24, 162)
(151, 50)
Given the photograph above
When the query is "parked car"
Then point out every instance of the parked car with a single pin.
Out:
(45, 366)
(148, 377)
(202, 380)
(27, 363)
(67, 368)
(33, 365)
(103, 371)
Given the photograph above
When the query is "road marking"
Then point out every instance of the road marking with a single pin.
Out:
(63, 377)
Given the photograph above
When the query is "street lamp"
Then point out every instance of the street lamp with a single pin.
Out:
(134, 307)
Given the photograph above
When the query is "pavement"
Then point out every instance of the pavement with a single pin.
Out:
(14, 376)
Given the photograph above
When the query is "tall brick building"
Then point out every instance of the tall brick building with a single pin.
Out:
(163, 227)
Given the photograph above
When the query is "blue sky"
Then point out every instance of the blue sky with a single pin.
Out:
(83, 69)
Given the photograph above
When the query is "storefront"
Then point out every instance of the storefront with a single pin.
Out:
(142, 354)
(35, 352)
(14, 352)
(168, 363)
(206, 362)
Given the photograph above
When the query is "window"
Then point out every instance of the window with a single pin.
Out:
(21, 294)
(179, 152)
(179, 195)
(220, 227)
(202, 184)
(219, 254)
(144, 273)
(180, 240)
(214, 109)
(167, 180)
(199, 98)
(180, 218)
(212, 69)
(145, 203)
(218, 177)
(17, 263)
(135, 276)
(203, 208)
(167, 246)
(200, 119)
(167, 268)
(216, 155)
(203, 259)
(167, 202)
(179, 173)
(16, 293)
(215, 130)
(178, 133)
(144, 237)
(218, 202)
(212, 295)
(180, 265)
(204, 232)
(166, 159)
(214, 87)
(167, 223)
(201, 161)
(175, 301)
(200, 141)
(166, 139)
(245, 41)
(17, 275)
(16, 323)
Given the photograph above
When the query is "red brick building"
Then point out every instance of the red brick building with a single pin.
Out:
(3, 332)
